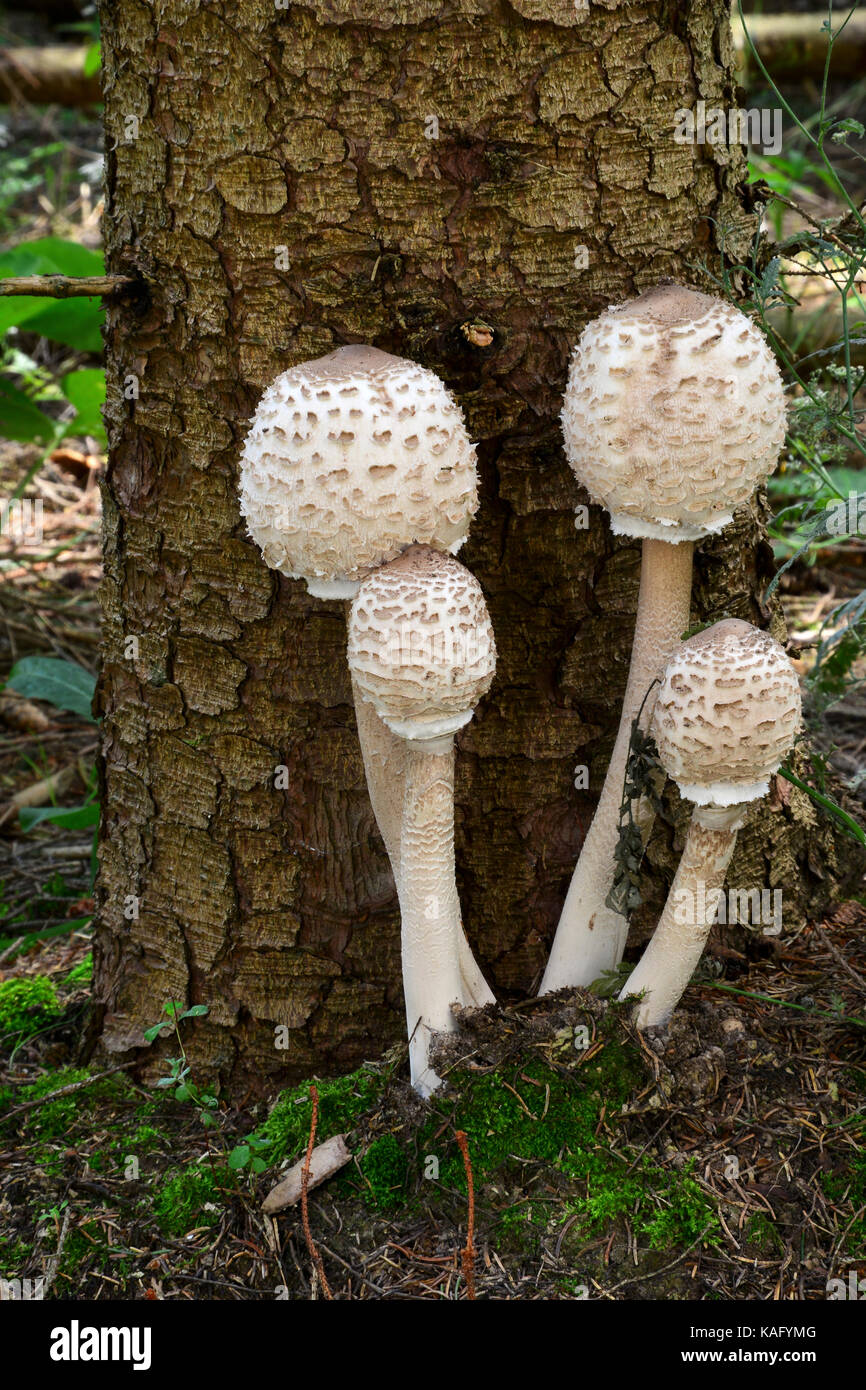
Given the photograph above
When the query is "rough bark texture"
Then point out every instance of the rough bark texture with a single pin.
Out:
(307, 128)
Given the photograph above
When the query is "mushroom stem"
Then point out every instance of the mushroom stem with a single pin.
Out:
(384, 755)
(590, 938)
(429, 906)
(669, 961)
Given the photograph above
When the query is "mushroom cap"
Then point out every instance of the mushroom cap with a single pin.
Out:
(349, 459)
(673, 413)
(727, 713)
(421, 645)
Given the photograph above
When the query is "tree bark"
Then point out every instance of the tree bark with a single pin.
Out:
(287, 180)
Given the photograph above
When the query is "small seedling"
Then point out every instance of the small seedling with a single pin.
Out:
(184, 1089)
(246, 1156)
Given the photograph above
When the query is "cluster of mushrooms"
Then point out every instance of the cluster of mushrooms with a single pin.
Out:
(358, 476)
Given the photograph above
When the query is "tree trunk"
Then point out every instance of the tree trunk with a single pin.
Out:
(286, 180)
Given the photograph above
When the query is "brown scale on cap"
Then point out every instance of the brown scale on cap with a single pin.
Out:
(668, 305)
(351, 458)
(674, 412)
(421, 644)
(727, 713)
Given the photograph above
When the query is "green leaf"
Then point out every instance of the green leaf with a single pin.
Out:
(86, 391)
(239, 1156)
(61, 683)
(770, 277)
(183, 1093)
(75, 322)
(258, 1165)
(846, 128)
(197, 1011)
(70, 817)
(20, 419)
(92, 60)
(51, 255)
(151, 1034)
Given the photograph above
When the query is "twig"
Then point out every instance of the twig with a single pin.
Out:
(66, 286)
(377, 1288)
(63, 1091)
(305, 1213)
(468, 1251)
(638, 1278)
(53, 1264)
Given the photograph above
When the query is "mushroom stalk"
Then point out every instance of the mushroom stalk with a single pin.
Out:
(674, 411)
(429, 907)
(421, 651)
(384, 755)
(727, 711)
(670, 959)
(591, 937)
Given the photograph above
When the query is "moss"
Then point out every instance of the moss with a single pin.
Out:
(518, 1120)
(544, 1116)
(82, 973)
(848, 1187)
(27, 1005)
(385, 1169)
(685, 1214)
(145, 1138)
(763, 1232)
(56, 1118)
(180, 1199)
(342, 1102)
(538, 1114)
(85, 1247)
(14, 1257)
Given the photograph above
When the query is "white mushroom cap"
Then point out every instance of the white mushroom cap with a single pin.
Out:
(673, 413)
(727, 713)
(351, 458)
(421, 645)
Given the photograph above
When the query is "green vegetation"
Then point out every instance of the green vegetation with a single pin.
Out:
(180, 1200)
(848, 1188)
(179, 1081)
(762, 1231)
(59, 1118)
(539, 1117)
(82, 973)
(13, 1257)
(27, 1004)
(342, 1102)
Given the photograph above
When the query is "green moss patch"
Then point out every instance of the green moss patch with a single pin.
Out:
(182, 1200)
(27, 1004)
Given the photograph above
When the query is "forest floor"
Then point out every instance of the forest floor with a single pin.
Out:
(726, 1161)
